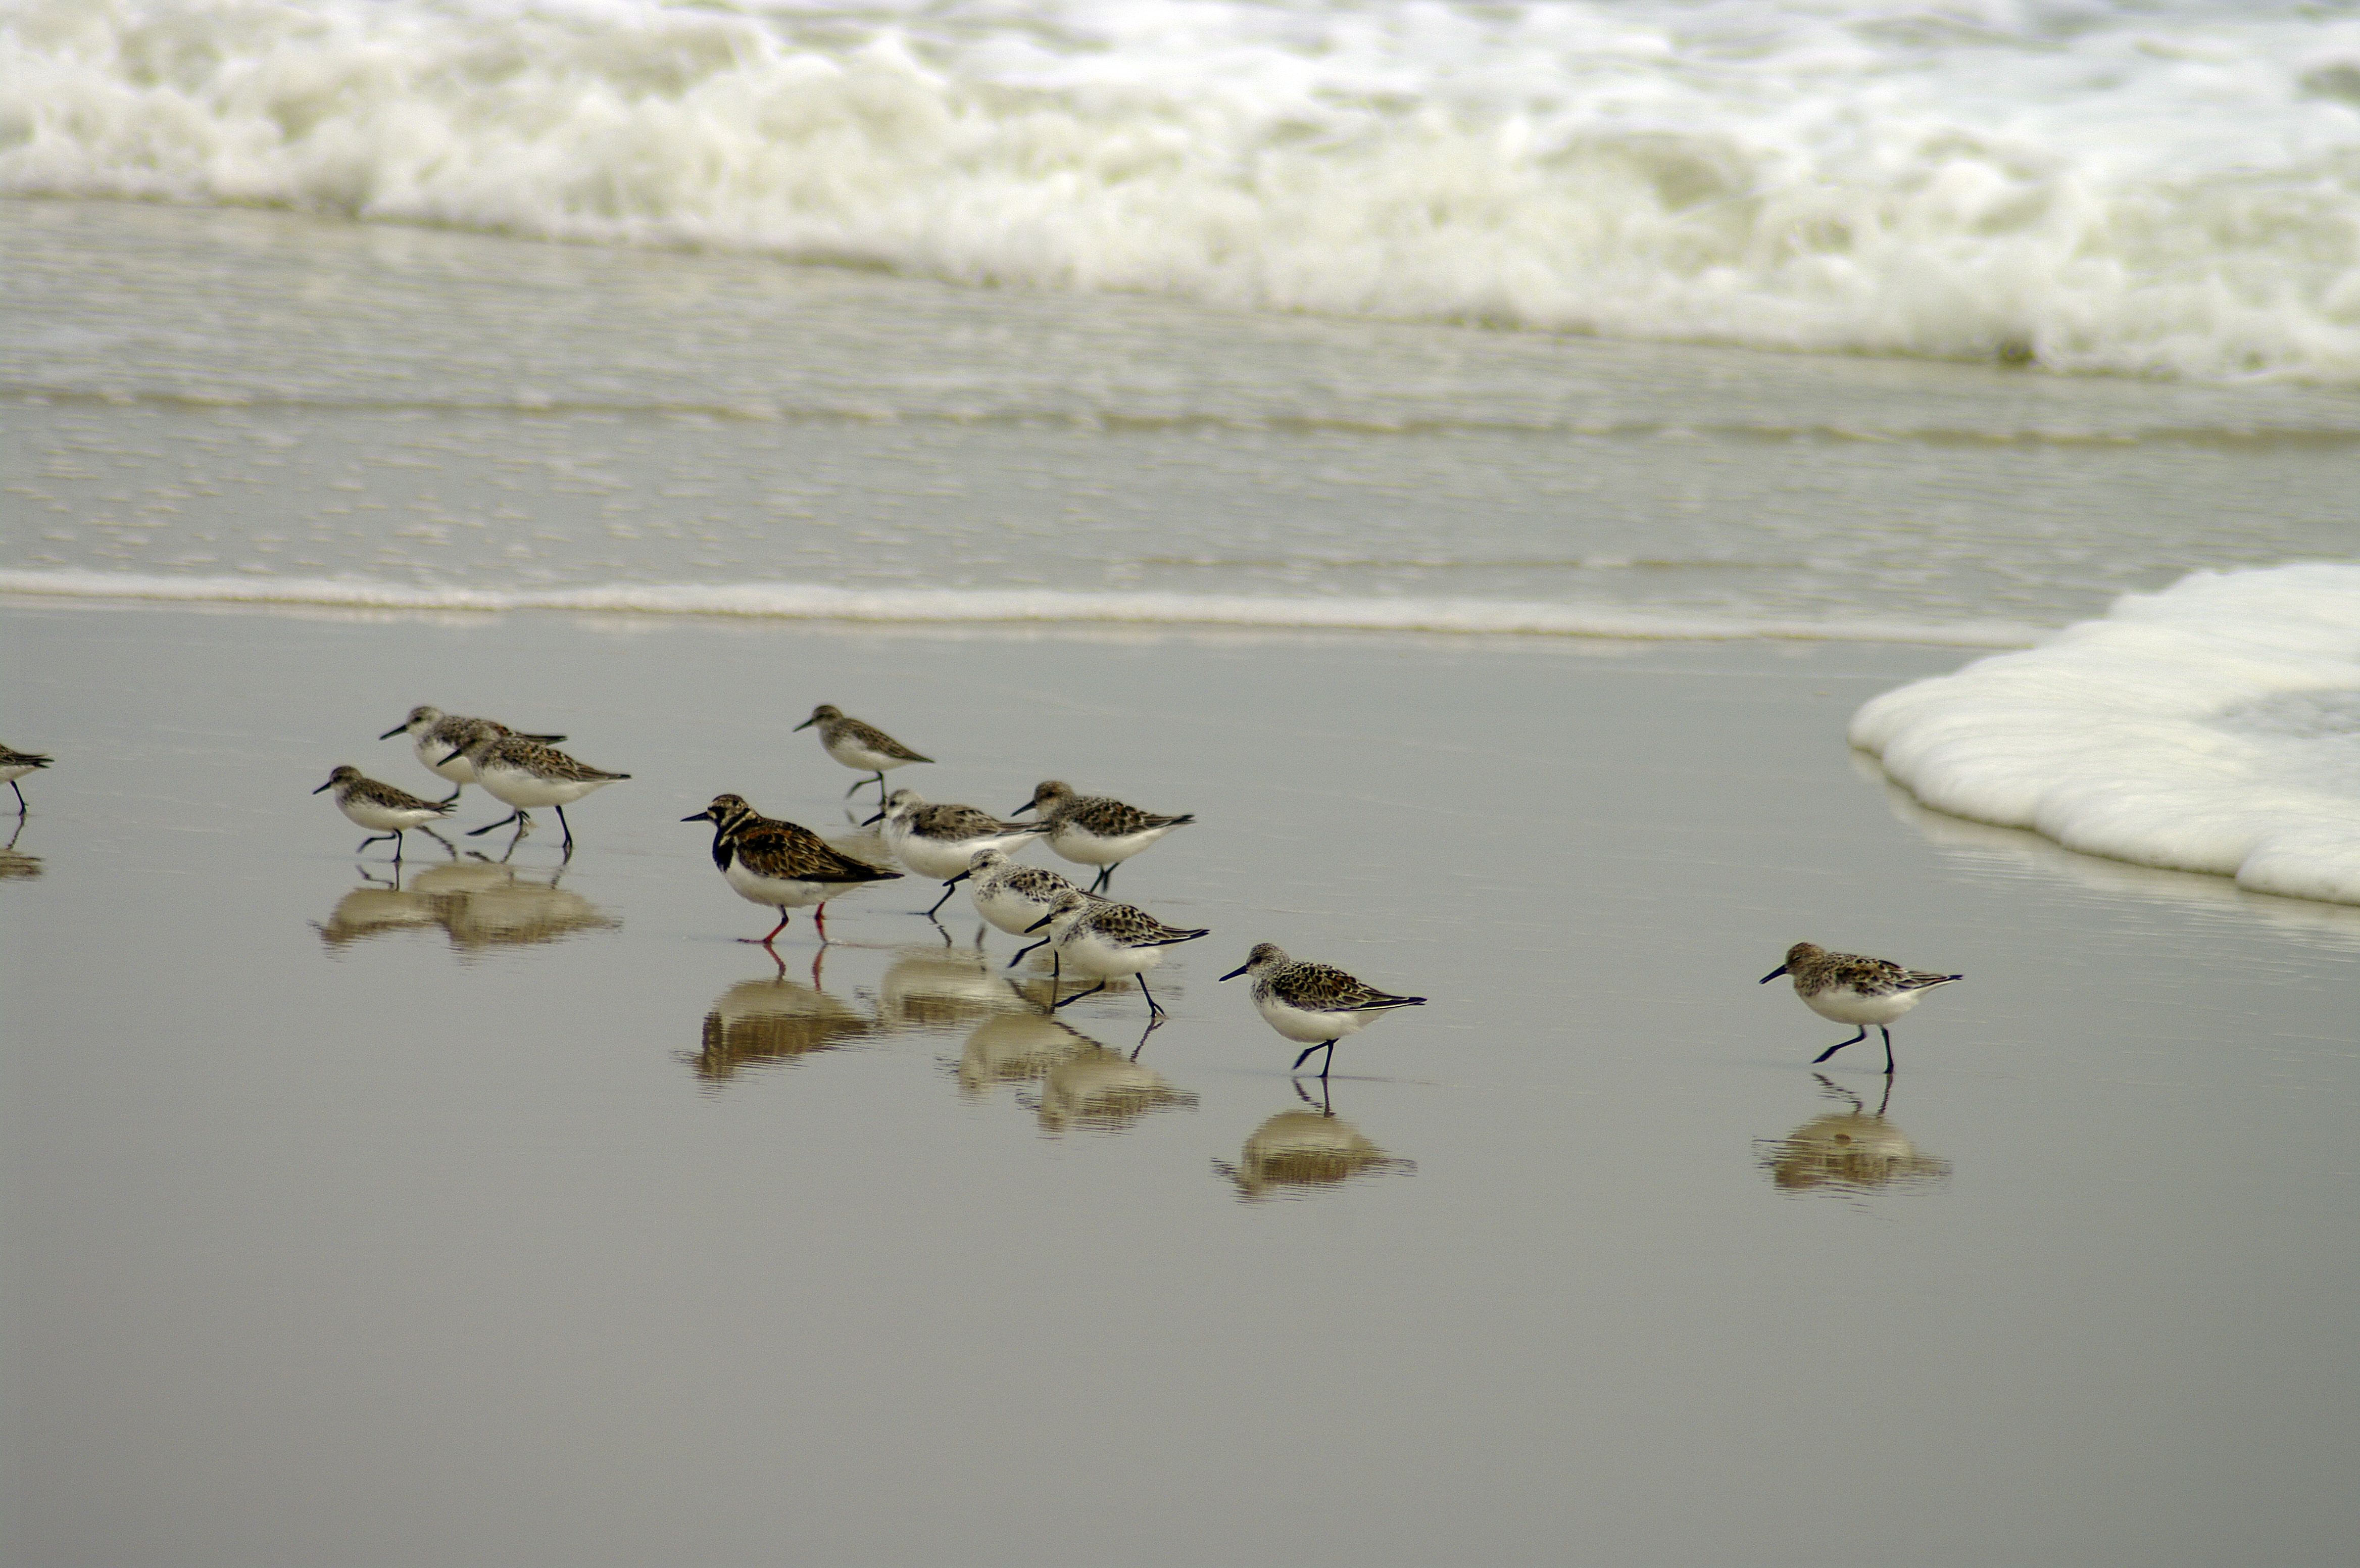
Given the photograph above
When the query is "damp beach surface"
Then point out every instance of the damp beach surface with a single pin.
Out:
(521, 1215)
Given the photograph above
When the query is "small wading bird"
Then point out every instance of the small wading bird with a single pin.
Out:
(861, 747)
(1011, 897)
(16, 764)
(1096, 829)
(1851, 989)
(1106, 940)
(384, 811)
(782, 864)
(1317, 1003)
(521, 773)
(433, 733)
(940, 840)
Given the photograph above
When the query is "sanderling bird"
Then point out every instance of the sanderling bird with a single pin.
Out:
(1851, 989)
(782, 864)
(861, 747)
(941, 841)
(1315, 1002)
(1109, 940)
(435, 734)
(14, 765)
(384, 811)
(523, 774)
(1011, 897)
(1094, 830)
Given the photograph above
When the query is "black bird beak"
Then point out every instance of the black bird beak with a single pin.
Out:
(1773, 974)
(331, 781)
(871, 822)
(394, 732)
(1022, 809)
(1038, 923)
(1237, 972)
(806, 724)
(460, 752)
(703, 816)
(954, 881)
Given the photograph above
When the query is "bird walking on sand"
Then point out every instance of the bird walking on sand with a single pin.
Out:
(434, 733)
(782, 864)
(16, 764)
(859, 746)
(523, 774)
(384, 811)
(1107, 940)
(940, 840)
(1096, 829)
(1851, 989)
(1011, 897)
(1316, 1003)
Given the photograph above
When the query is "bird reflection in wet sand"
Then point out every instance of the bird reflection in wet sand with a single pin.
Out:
(15, 863)
(927, 987)
(1104, 1091)
(479, 904)
(1297, 1153)
(1850, 1152)
(764, 1023)
(1018, 1047)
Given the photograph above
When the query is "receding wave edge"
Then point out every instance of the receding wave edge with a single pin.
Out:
(815, 602)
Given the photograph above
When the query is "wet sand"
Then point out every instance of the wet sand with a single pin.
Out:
(519, 1215)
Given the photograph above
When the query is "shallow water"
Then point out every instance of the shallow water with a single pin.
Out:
(521, 1215)
(263, 404)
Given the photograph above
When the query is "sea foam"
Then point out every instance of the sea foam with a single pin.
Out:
(2156, 188)
(2212, 727)
(819, 601)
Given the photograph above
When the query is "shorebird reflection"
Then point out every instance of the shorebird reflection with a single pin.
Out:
(15, 863)
(479, 904)
(1299, 1152)
(763, 1022)
(1852, 1151)
(1104, 1090)
(927, 987)
(1018, 1047)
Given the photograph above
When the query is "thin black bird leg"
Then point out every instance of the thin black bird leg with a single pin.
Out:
(1841, 1044)
(1079, 994)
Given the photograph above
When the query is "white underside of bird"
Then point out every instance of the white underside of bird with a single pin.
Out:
(1864, 1009)
(778, 892)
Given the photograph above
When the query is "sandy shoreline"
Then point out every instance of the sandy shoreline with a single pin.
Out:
(530, 1218)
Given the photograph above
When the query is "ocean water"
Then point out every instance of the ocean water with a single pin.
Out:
(2166, 189)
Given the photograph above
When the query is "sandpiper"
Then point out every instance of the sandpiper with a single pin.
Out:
(859, 746)
(1011, 897)
(1851, 989)
(523, 774)
(782, 864)
(941, 841)
(434, 733)
(384, 811)
(1094, 829)
(1317, 1003)
(1109, 940)
(16, 764)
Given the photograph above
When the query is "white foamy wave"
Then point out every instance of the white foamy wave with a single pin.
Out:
(2214, 727)
(802, 602)
(2155, 188)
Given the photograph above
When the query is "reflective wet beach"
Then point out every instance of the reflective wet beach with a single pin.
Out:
(521, 1213)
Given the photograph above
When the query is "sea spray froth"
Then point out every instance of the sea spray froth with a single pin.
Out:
(2214, 727)
(2156, 189)
(816, 601)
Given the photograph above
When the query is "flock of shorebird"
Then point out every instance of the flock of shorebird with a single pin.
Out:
(785, 866)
